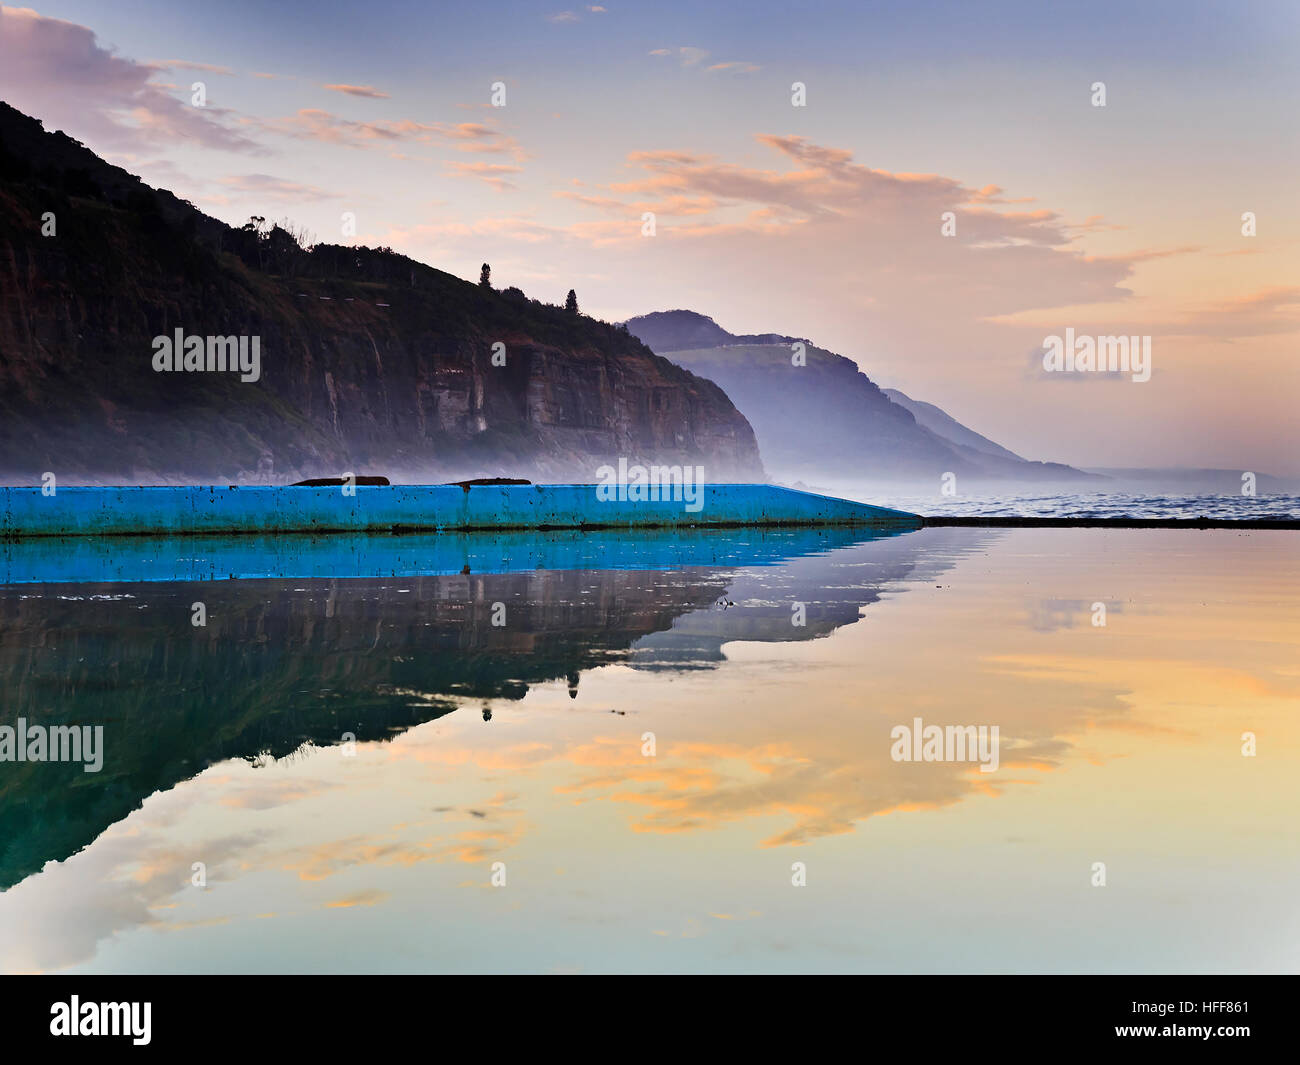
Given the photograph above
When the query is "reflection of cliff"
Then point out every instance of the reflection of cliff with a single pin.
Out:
(760, 604)
(286, 662)
(279, 664)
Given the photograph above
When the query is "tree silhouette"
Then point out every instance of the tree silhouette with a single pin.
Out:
(571, 302)
(485, 276)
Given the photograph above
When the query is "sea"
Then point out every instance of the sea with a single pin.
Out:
(1090, 504)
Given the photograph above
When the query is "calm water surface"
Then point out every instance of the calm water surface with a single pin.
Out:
(504, 699)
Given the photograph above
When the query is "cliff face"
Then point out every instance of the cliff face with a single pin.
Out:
(369, 362)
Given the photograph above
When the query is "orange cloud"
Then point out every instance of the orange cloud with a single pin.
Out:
(493, 174)
(267, 187)
(368, 91)
(357, 898)
(315, 124)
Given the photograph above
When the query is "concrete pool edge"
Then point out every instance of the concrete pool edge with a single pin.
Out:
(235, 510)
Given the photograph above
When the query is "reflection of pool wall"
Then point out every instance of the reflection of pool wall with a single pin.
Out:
(55, 560)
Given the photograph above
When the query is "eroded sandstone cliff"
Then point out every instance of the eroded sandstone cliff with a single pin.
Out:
(369, 362)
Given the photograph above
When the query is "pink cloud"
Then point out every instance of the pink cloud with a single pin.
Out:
(316, 124)
(687, 55)
(367, 91)
(1269, 311)
(264, 186)
(186, 64)
(493, 174)
(58, 72)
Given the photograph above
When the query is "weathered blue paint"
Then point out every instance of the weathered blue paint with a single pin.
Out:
(187, 511)
(118, 559)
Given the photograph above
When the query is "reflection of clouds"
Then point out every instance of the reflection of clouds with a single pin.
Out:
(1049, 615)
(357, 898)
(268, 794)
(185, 926)
(496, 827)
(825, 793)
(126, 880)
(830, 769)
(323, 860)
(516, 756)
(137, 874)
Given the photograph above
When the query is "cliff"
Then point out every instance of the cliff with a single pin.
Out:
(826, 418)
(945, 425)
(369, 361)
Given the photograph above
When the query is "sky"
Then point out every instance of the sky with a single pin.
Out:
(823, 220)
